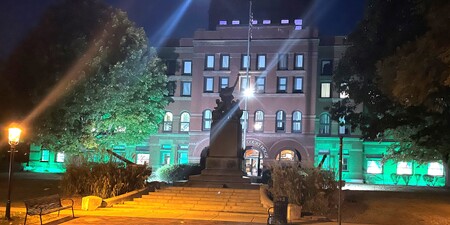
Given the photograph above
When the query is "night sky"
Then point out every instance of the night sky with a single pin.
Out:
(18, 17)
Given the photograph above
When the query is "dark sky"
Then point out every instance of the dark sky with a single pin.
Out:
(17, 17)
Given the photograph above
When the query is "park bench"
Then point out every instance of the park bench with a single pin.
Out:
(45, 205)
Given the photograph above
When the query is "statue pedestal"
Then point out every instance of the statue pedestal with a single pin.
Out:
(223, 163)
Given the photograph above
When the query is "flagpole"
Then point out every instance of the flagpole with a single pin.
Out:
(247, 76)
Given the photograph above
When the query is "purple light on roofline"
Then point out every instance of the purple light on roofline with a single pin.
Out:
(222, 22)
(284, 21)
(298, 22)
(235, 22)
(254, 21)
(266, 21)
(298, 27)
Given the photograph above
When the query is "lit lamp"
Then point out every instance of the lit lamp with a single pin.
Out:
(13, 140)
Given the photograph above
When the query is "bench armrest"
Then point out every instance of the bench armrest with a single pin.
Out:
(65, 199)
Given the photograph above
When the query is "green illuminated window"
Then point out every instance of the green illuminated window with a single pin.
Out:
(60, 157)
(45, 155)
(183, 157)
(374, 167)
(404, 168)
(165, 157)
(435, 169)
(142, 158)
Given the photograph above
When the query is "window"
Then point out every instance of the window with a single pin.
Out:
(344, 163)
(142, 159)
(282, 62)
(261, 62)
(45, 155)
(60, 157)
(223, 82)
(298, 85)
(171, 66)
(207, 117)
(324, 121)
(280, 121)
(298, 64)
(171, 86)
(259, 121)
(344, 91)
(325, 90)
(209, 62)
(185, 119)
(326, 67)
(404, 168)
(187, 67)
(244, 120)
(168, 122)
(165, 157)
(182, 157)
(244, 83)
(296, 122)
(344, 129)
(374, 167)
(186, 88)
(435, 169)
(245, 62)
(260, 84)
(224, 62)
(208, 84)
(282, 85)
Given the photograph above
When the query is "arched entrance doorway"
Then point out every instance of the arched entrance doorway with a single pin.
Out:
(288, 155)
(253, 162)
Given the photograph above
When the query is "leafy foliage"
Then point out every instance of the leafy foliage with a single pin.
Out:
(176, 172)
(312, 188)
(398, 69)
(102, 179)
(92, 77)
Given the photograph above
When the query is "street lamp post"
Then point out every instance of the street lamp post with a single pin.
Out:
(248, 91)
(13, 140)
(341, 137)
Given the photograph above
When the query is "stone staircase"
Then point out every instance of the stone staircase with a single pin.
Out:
(198, 203)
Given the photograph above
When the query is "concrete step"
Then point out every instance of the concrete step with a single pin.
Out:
(194, 207)
(122, 210)
(199, 201)
(195, 196)
(224, 190)
(179, 202)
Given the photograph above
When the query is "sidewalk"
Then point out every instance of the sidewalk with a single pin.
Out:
(105, 216)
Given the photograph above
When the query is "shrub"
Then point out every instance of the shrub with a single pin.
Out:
(176, 172)
(312, 188)
(102, 179)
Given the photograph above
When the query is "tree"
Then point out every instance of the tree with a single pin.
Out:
(418, 75)
(389, 28)
(91, 78)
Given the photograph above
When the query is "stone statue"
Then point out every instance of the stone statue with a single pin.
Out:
(226, 103)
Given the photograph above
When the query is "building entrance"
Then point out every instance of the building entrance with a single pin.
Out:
(253, 162)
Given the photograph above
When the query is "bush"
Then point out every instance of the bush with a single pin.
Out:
(176, 172)
(312, 188)
(102, 179)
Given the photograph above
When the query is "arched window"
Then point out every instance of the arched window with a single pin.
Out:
(296, 122)
(325, 124)
(168, 122)
(259, 121)
(288, 155)
(281, 121)
(207, 119)
(185, 119)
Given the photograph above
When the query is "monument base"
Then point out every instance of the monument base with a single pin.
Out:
(221, 172)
